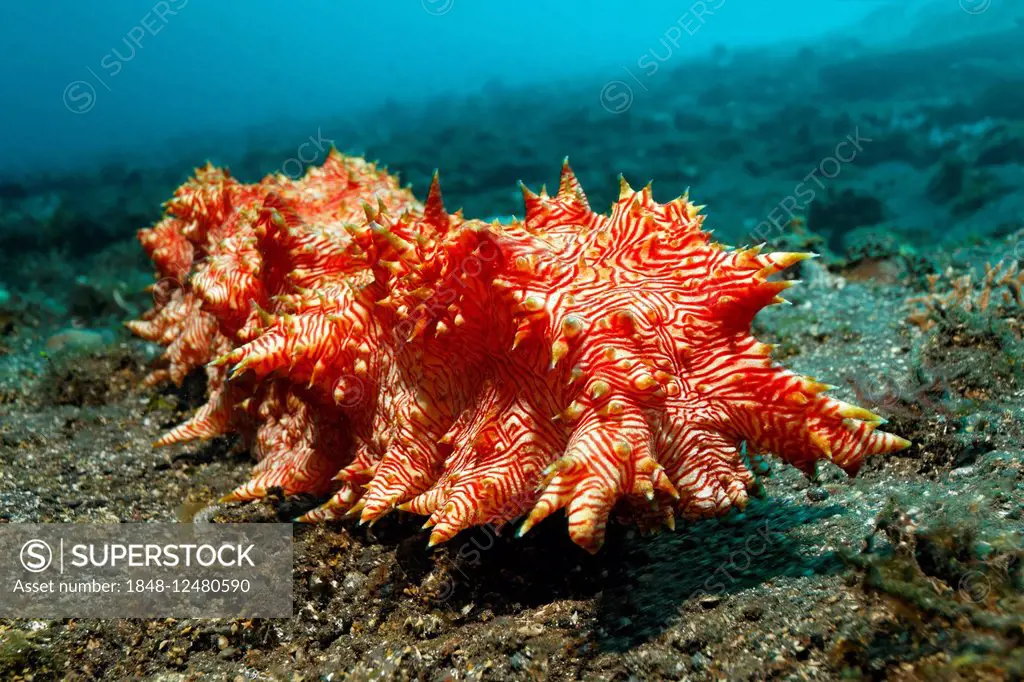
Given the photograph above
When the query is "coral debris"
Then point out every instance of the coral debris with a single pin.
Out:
(393, 355)
(950, 291)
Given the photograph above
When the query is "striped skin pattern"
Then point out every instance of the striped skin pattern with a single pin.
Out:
(386, 354)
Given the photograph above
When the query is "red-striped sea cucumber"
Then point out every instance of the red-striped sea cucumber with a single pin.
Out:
(389, 355)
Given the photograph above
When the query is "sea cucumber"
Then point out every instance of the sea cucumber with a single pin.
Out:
(391, 355)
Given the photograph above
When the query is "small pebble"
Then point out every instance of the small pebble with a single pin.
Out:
(353, 583)
(531, 630)
(82, 340)
(320, 588)
(753, 612)
(817, 494)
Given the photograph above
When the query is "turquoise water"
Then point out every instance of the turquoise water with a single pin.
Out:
(88, 79)
(108, 107)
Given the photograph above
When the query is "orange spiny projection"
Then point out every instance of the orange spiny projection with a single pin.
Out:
(386, 354)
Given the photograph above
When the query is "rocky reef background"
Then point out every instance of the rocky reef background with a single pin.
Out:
(901, 163)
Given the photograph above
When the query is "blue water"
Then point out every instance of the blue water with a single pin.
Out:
(86, 80)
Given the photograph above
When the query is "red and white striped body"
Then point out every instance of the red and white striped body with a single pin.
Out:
(391, 355)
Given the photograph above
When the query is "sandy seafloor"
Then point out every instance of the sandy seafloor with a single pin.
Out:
(912, 571)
